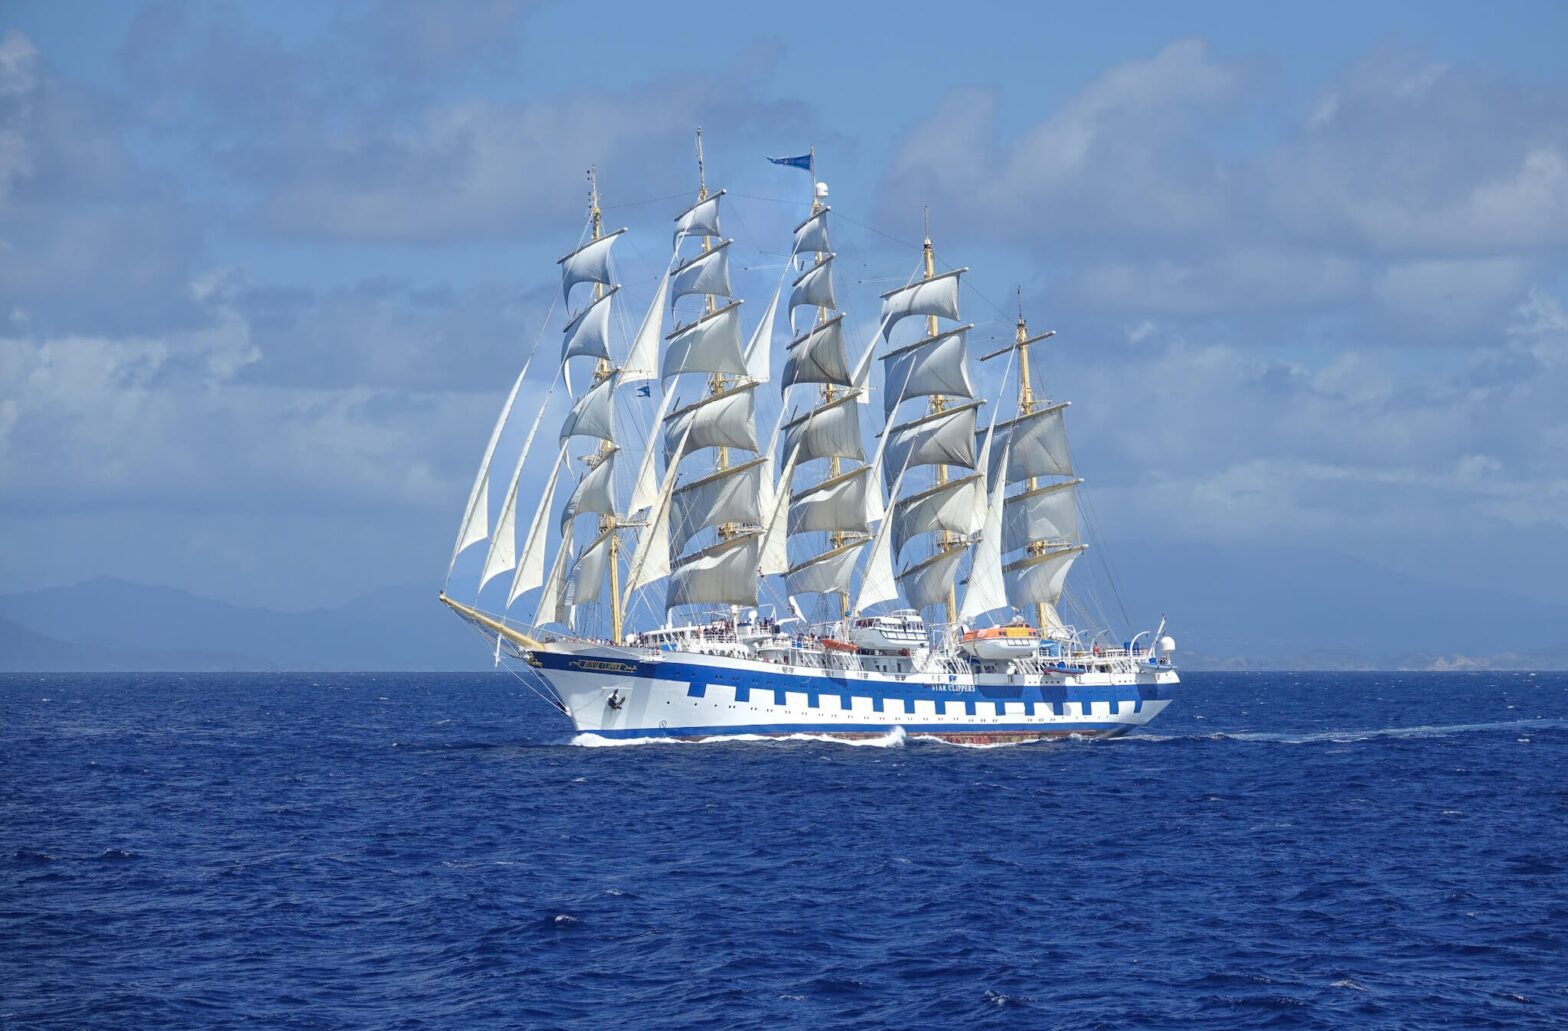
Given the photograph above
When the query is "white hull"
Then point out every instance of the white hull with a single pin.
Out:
(620, 693)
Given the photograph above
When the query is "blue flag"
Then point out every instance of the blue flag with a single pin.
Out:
(803, 162)
(645, 391)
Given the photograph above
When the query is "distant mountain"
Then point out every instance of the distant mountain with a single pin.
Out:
(1242, 607)
(27, 651)
(400, 628)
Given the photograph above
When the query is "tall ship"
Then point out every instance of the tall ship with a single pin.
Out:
(885, 557)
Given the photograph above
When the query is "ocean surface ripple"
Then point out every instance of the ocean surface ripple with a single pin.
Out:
(435, 851)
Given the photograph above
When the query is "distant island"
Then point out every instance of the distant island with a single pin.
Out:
(1247, 608)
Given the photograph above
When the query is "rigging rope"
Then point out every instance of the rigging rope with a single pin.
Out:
(551, 699)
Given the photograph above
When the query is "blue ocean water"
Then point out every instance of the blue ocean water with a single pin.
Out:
(374, 850)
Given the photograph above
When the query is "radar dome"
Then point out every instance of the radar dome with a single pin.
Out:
(1167, 643)
(822, 189)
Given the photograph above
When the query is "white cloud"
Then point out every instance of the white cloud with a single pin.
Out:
(166, 422)
(344, 145)
(1413, 200)
(1452, 293)
(1116, 158)
(1234, 280)
(18, 79)
(1406, 156)
(1260, 440)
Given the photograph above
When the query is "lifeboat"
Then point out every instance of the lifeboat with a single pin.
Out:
(899, 632)
(1000, 642)
(829, 644)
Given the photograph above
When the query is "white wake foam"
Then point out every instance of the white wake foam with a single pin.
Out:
(1353, 736)
(1345, 736)
(892, 739)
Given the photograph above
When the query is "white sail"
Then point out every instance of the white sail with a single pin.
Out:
(878, 584)
(876, 507)
(642, 361)
(759, 352)
(595, 492)
(587, 579)
(812, 234)
(701, 219)
(594, 413)
(817, 356)
(709, 345)
(861, 376)
(936, 296)
(588, 335)
(502, 554)
(645, 488)
(772, 449)
(732, 495)
(552, 600)
(1037, 444)
(1046, 513)
(941, 438)
(707, 273)
(589, 263)
(1039, 579)
(773, 553)
(827, 430)
(827, 573)
(837, 503)
(530, 564)
(651, 560)
(987, 588)
(814, 288)
(726, 419)
(725, 574)
(934, 365)
(476, 517)
(475, 526)
(957, 506)
(928, 582)
(642, 365)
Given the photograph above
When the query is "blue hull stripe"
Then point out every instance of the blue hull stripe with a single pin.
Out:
(868, 728)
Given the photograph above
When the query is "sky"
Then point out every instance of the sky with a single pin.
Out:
(267, 270)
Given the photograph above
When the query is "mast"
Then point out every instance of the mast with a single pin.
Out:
(603, 370)
(1025, 407)
(838, 539)
(946, 541)
(723, 417)
(838, 503)
(572, 583)
(716, 380)
(1042, 519)
(934, 367)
